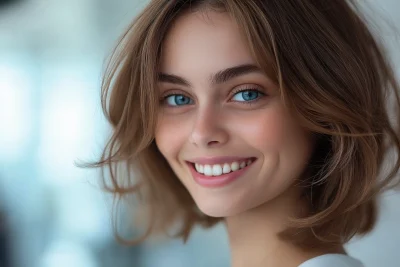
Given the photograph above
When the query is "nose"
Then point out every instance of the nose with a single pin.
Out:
(208, 128)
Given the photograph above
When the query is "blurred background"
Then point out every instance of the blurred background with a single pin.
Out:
(52, 214)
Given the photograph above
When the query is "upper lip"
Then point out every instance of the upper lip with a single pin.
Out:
(217, 160)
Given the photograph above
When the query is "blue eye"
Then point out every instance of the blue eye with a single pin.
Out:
(247, 95)
(178, 100)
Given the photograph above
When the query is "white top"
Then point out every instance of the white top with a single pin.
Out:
(332, 260)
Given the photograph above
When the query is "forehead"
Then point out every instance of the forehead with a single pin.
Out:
(201, 41)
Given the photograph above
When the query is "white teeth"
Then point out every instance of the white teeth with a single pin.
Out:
(207, 170)
(242, 165)
(199, 168)
(219, 169)
(234, 166)
(227, 168)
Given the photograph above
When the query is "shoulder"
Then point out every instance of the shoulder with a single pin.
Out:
(332, 260)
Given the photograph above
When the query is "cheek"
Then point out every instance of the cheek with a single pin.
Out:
(169, 141)
(264, 130)
(273, 130)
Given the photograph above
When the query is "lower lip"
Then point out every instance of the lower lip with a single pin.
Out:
(217, 181)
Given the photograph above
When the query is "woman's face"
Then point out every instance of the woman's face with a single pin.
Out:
(222, 126)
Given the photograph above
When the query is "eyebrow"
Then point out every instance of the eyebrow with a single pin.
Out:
(218, 78)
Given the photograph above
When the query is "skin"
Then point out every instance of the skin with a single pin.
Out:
(215, 120)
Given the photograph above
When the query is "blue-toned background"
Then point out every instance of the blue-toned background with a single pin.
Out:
(52, 214)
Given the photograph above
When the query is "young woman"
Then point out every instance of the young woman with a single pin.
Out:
(268, 115)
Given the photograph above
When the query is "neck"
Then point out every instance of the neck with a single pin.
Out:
(254, 241)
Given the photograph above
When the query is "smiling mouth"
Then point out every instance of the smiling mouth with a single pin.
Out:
(221, 169)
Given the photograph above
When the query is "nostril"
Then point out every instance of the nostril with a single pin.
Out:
(213, 143)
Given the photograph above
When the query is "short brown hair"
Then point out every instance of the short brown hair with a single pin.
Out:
(332, 73)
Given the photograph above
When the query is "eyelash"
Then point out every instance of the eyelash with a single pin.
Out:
(164, 98)
(251, 102)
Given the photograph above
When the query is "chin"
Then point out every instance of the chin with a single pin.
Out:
(219, 210)
(217, 213)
